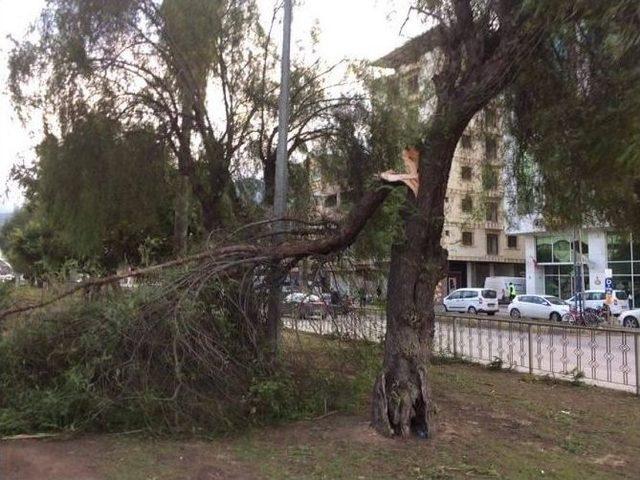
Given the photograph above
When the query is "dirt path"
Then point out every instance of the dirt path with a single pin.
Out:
(115, 457)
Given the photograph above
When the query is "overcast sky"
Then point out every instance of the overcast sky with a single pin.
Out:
(355, 29)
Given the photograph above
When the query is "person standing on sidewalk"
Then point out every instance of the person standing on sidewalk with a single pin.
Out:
(512, 292)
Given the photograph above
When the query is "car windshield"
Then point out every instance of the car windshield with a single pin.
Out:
(554, 301)
(489, 294)
(621, 295)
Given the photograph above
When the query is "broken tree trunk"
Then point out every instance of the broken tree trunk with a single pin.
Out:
(402, 403)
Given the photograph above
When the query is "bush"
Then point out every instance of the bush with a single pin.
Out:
(134, 361)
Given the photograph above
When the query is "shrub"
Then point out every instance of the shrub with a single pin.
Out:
(133, 360)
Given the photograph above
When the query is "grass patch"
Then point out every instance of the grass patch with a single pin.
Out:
(490, 424)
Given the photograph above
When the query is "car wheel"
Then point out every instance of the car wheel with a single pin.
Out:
(515, 313)
(472, 311)
(630, 322)
(555, 317)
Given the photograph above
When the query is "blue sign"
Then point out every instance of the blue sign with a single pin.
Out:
(608, 283)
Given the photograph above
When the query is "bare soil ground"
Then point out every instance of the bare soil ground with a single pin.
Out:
(490, 425)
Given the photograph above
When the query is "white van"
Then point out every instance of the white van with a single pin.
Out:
(472, 300)
(501, 285)
(596, 298)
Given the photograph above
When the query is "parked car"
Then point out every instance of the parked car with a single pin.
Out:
(472, 300)
(546, 307)
(595, 299)
(305, 305)
(630, 318)
(501, 285)
(6, 272)
(7, 277)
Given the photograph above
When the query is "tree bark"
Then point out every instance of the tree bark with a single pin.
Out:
(183, 187)
(181, 215)
(269, 170)
(402, 402)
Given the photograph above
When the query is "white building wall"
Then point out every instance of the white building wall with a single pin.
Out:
(534, 274)
(597, 259)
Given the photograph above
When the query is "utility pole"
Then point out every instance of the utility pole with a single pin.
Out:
(281, 183)
(277, 274)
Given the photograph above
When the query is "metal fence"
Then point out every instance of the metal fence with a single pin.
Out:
(608, 357)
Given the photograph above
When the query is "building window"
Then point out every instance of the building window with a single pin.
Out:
(446, 233)
(559, 280)
(512, 241)
(491, 148)
(553, 250)
(623, 256)
(492, 244)
(619, 248)
(467, 204)
(467, 239)
(465, 141)
(489, 177)
(492, 212)
(466, 173)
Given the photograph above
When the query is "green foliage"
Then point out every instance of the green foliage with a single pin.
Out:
(370, 137)
(5, 294)
(576, 108)
(104, 187)
(95, 196)
(329, 376)
(32, 246)
(122, 362)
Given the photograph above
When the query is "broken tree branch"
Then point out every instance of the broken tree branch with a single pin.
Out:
(227, 257)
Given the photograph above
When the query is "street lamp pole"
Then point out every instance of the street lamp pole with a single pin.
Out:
(281, 180)
(274, 306)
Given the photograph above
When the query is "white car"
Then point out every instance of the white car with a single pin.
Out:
(472, 300)
(305, 305)
(595, 299)
(630, 318)
(546, 307)
(8, 277)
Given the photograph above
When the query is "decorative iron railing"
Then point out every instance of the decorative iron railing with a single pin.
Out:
(608, 357)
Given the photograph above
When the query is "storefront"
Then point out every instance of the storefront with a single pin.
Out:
(556, 254)
(623, 258)
(550, 261)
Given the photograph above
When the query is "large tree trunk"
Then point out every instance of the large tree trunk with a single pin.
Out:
(269, 172)
(181, 215)
(183, 187)
(402, 402)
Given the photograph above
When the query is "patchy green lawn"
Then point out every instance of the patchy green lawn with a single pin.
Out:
(490, 425)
